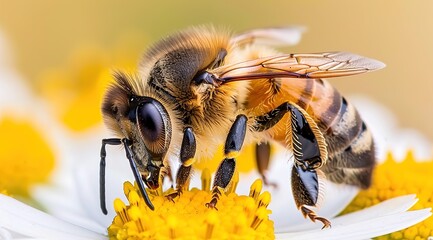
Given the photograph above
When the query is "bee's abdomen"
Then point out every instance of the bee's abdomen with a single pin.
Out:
(345, 127)
(350, 147)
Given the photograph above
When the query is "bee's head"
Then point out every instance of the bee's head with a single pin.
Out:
(173, 91)
(142, 120)
(154, 131)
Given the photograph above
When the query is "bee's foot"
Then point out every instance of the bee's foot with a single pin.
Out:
(216, 193)
(313, 217)
(212, 204)
(273, 185)
(174, 195)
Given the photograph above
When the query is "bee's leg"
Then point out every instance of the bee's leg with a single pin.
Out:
(102, 164)
(263, 123)
(136, 172)
(308, 153)
(187, 152)
(309, 150)
(263, 156)
(226, 169)
(305, 189)
(166, 172)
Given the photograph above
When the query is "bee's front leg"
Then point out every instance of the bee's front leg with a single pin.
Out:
(187, 153)
(226, 169)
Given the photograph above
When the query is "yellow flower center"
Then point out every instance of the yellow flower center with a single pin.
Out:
(187, 217)
(25, 156)
(392, 179)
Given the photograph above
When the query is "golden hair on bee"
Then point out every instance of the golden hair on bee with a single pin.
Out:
(204, 87)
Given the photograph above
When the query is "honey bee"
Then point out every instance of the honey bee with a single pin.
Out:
(203, 87)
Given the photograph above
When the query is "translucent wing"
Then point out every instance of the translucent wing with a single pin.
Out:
(315, 65)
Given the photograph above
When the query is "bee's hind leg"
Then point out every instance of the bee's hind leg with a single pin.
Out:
(305, 189)
(309, 151)
(226, 169)
(187, 153)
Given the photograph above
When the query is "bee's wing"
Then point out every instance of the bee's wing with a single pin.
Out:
(315, 65)
(278, 36)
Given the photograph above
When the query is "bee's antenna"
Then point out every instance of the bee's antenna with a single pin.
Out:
(136, 173)
(108, 141)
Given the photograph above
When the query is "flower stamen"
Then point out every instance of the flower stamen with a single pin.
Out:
(256, 188)
(172, 224)
(264, 199)
(234, 183)
(206, 180)
(120, 209)
(211, 220)
(187, 217)
(260, 215)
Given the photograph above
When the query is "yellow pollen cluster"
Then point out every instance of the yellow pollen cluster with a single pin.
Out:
(25, 156)
(187, 217)
(392, 179)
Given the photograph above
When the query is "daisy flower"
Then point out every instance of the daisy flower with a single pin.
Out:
(392, 179)
(243, 216)
(26, 154)
(245, 209)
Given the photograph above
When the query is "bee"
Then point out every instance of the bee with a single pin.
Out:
(203, 87)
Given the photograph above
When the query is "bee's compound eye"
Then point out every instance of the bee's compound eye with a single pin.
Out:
(150, 122)
(153, 123)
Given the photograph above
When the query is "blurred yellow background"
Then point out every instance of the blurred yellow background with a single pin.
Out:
(46, 34)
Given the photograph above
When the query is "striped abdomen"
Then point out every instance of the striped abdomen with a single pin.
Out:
(349, 143)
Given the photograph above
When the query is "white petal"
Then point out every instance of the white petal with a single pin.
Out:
(88, 185)
(64, 204)
(383, 218)
(364, 229)
(23, 219)
(337, 197)
(388, 207)
(5, 234)
(75, 194)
